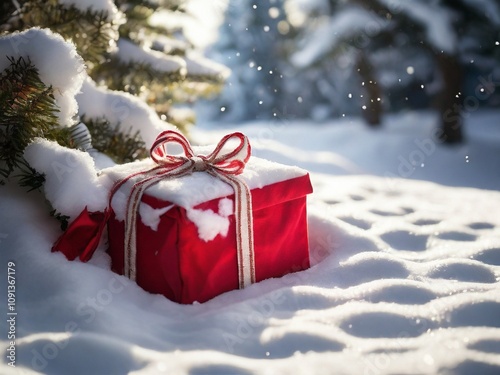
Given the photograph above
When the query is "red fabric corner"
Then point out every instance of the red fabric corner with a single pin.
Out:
(82, 236)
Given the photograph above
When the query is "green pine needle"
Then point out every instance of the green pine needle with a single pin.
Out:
(121, 146)
(91, 31)
(27, 110)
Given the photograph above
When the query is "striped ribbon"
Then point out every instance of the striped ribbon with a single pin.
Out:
(220, 164)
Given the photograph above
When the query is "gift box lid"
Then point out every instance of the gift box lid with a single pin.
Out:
(198, 187)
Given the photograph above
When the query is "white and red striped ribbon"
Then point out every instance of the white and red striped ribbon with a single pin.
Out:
(222, 165)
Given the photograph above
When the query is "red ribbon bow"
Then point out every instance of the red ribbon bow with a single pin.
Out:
(232, 162)
(87, 228)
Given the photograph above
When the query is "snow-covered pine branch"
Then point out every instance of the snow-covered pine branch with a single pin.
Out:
(329, 34)
(129, 111)
(57, 61)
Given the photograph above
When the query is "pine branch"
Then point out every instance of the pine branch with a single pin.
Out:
(138, 13)
(138, 79)
(160, 90)
(27, 110)
(133, 77)
(28, 177)
(173, 5)
(122, 147)
(137, 16)
(63, 219)
(8, 16)
(91, 31)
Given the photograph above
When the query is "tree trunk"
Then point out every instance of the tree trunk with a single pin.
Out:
(450, 102)
(372, 111)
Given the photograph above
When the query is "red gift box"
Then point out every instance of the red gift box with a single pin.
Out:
(189, 259)
(175, 262)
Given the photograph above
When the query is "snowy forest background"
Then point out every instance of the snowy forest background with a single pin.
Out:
(328, 59)
(277, 59)
(369, 96)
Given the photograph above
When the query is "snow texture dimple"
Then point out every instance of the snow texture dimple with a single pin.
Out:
(405, 278)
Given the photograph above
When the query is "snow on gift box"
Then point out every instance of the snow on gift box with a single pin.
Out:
(194, 225)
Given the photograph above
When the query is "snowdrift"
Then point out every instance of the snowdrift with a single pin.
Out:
(405, 277)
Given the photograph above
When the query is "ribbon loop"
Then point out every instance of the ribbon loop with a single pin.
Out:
(232, 162)
(159, 152)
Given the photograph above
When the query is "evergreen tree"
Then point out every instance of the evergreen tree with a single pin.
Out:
(445, 35)
(332, 45)
(93, 31)
(155, 61)
(125, 45)
(251, 43)
(27, 110)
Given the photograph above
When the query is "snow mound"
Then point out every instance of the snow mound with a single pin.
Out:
(71, 181)
(401, 277)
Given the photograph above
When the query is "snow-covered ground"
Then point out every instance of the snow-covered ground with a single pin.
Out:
(406, 275)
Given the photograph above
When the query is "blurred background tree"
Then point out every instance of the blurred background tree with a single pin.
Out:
(252, 44)
(363, 57)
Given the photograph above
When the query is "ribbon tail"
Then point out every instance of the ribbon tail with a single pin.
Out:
(83, 235)
(244, 229)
